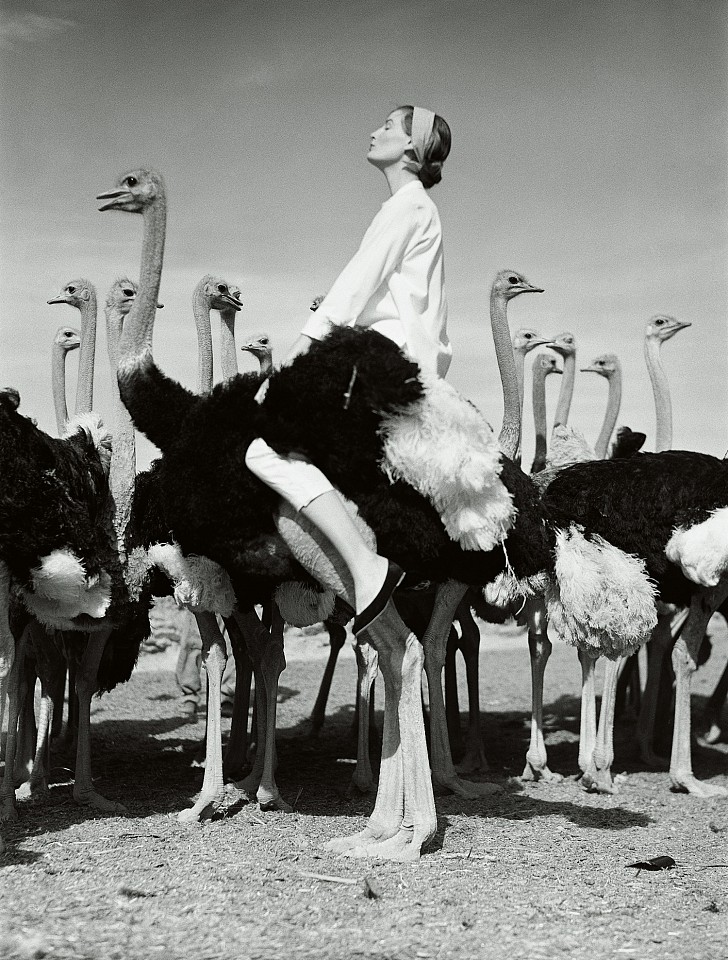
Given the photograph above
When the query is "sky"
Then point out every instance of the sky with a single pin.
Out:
(589, 153)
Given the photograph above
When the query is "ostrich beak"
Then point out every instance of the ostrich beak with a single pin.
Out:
(235, 304)
(682, 324)
(588, 370)
(59, 299)
(113, 198)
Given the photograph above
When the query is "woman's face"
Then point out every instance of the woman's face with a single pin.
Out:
(389, 143)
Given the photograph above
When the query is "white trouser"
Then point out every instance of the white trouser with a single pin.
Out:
(294, 478)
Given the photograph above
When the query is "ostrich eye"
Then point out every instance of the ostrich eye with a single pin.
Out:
(660, 321)
(128, 293)
(514, 279)
(131, 181)
(71, 289)
(221, 288)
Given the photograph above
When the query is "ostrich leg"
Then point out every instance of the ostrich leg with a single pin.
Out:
(474, 759)
(598, 774)
(434, 643)
(266, 652)
(11, 683)
(7, 640)
(367, 665)
(452, 700)
(588, 716)
(214, 657)
(714, 708)
(404, 816)
(237, 749)
(86, 685)
(703, 604)
(337, 639)
(539, 647)
(27, 729)
(50, 665)
(669, 627)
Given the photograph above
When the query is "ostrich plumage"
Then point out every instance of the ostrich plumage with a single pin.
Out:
(354, 380)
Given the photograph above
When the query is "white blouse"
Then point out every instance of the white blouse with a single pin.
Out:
(394, 283)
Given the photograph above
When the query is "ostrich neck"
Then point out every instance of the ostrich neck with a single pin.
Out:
(58, 385)
(136, 339)
(539, 412)
(123, 454)
(201, 310)
(87, 356)
(661, 393)
(567, 390)
(614, 399)
(266, 364)
(520, 361)
(228, 357)
(510, 433)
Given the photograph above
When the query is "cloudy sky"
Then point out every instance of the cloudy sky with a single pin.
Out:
(589, 152)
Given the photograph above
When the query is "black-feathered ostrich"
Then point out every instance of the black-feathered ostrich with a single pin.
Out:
(361, 384)
(55, 542)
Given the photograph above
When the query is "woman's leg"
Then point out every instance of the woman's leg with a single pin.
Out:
(308, 490)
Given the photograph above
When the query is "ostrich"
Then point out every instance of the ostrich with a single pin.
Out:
(565, 345)
(261, 349)
(65, 340)
(54, 538)
(607, 365)
(543, 366)
(348, 447)
(81, 294)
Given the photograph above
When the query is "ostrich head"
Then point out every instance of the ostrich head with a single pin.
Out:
(564, 345)
(661, 327)
(121, 296)
(67, 338)
(509, 284)
(218, 294)
(606, 365)
(134, 191)
(259, 346)
(546, 364)
(526, 339)
(76, 293)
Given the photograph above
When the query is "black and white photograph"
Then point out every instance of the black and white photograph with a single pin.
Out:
(364, 479)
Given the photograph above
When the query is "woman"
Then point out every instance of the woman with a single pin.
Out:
(394, 284)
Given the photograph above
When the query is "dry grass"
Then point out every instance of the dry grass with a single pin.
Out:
(537, 871)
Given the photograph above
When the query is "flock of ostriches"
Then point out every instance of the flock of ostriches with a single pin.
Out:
(615, 549)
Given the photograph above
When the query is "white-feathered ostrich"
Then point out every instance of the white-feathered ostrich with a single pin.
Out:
(370, 407)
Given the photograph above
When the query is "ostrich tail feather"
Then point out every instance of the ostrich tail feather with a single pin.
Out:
(302, 605)
(60, 590)
(507, 589)
(93, 426)
(601, 599)
(701, 551)
(442, 446)
(200, 584)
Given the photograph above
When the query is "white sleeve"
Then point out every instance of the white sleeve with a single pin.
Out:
(379, 254)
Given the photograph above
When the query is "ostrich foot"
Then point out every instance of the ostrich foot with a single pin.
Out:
(90, 798)
(206, 806)
(474, 760)
(687, 783)
(712, 735)
(597, 781)
(467, 789)
(369, 835)
(534, 773)
(268, 800)
(30, 790)
(403, 847)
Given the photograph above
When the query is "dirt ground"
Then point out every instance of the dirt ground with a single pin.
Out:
(536, 871)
